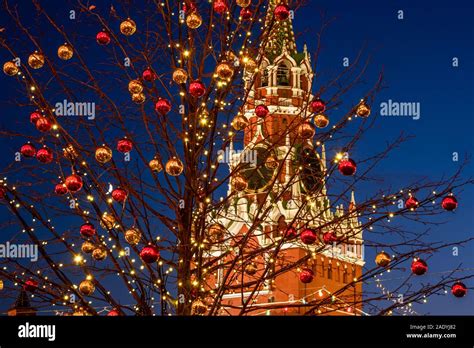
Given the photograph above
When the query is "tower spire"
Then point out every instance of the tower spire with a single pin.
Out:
(281, 34)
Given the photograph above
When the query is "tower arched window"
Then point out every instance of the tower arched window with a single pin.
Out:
(283, 75)
(265, 78)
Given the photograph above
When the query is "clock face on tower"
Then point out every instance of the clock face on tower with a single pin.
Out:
(259, 175)
(311, 173)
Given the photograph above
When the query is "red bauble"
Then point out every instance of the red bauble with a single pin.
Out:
(87, 230)
(245, 14)
(150, 254)
(148, 75)
(73, 183)
(113, 313)
(329, 238)
(28, 150)
(35, 116)
(459, 289)
(44, 155)
(103, 38)
(60, 189)
(419, 267)
(306, 275)
(308, 236)
(411, 203)
(261, 111)
(163, 106)
(119, 195)
(219, 6)
(347, 167)
(30, 285)
(449, 203)
(124, 145)
(197, 88)
(318, 106)
(43, 124)
(282, 12)
(291, 232)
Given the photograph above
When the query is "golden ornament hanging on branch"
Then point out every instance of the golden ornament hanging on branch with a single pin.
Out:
(321, 120)
(65, 52)
(133, 236)
(216, 232)
(251, 268)
(243, 3)
(363, 110)
(271, 162)
(99, 254)
(240, 122)
(306, 130)
(138, 98)
(382, 259)
(87, 247)
(70, 152)
(155, 165)
(239, 183)
(180, 76)
(135, 86)
(10, 68)
(36, 60)
(108, 221)
(174, 167)
(193, 20)
(224, 71)
(128, 27)
(103, 154)
(86, 287)
(198, 307)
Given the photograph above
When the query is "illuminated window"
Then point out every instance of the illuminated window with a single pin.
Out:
(283, 75)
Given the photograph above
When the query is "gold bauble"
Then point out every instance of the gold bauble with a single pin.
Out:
(135, 86)
(363, 110)
(36, 60)
(138, 98)
(321, 120)
(174, 167)
(224, 71)
(70, 152)
(155, 165)
(239, 183)
(103, 154)
(10, 68)
(306, 130)
(65, 52)
(240, 122)
(128, 27)
(108, 221)
(180, 76)
(86, 287)
(1, 285)
(133, 236)
(251, 268)
(382, 259)
(243, 3)
(87, 247)
(193, 20)
(271, 162)
(215, 232)
(99, 254)
(198, 307)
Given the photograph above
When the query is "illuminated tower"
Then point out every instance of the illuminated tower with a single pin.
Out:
(294, 170)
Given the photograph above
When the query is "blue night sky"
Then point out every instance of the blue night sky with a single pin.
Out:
(416, 56)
